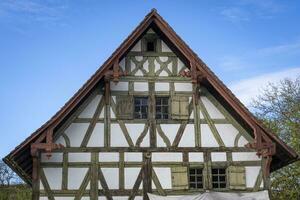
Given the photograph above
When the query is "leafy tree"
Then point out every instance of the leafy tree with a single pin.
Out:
(279, 108)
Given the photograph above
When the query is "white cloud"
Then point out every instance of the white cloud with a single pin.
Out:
(245, 10)
(248, 89)
(263, 57)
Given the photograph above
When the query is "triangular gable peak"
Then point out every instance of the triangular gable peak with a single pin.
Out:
(265, 143)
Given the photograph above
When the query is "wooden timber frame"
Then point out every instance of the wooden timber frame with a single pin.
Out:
(25, 158)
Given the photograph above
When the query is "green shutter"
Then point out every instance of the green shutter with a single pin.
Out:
(236, 177)
(179, 178)
(180, 107)
(124, 107)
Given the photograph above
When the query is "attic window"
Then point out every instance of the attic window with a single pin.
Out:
(151, 46)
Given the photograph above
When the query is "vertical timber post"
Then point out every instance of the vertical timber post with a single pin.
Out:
(147, 175)
(151, 114)
(107, 113)
(35, 176)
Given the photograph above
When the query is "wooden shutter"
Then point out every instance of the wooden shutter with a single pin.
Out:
(236, 177)
(179, 178)
(180, 107)
(124, 107)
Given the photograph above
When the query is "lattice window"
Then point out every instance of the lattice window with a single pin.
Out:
(196, 178)
(162, 107)
(140, 107)
(218, 177)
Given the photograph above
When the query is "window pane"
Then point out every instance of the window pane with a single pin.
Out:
(219, 177)
(141, 107)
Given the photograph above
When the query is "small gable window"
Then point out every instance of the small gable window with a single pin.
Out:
(151, 46)
(218, 178)
(162, 107)
(140, 107)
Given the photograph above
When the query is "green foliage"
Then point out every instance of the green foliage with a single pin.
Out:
(279, 108)
(17, 192)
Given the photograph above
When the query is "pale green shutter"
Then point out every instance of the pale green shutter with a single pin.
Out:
(236, 177)
(179, 178)
(124, 107)
(180, 107)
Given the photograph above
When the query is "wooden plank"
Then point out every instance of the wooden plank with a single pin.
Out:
(258, 181)
(142, 136)
(65, 171)
(163, 135)
(94, 176)
(147, 174)
(121, 170)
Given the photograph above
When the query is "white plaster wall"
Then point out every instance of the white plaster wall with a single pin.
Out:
(79, 157)
(122, 64)
(207, 138)
(97, 137)
(251, 175)
(120, 198)
(163, 73)
(109, 157)
(163, 58)
(133, 157)
(164, 177)
(139, 73)
(181, 65)
(242, 142)
(112, 113)
(89, 111)
(166, 157)
(161, 86)
(120, 86)
(139, 58)
(170, 130)
(112, 177)
(228, 133)
(164, 47)
(137, 46)
(156, 65)
(244, 156)
(54, 177)
(196, 157)
(140, 86)
(135, 130)
(75, 177)
(159, 141)
(117, 136)
(146, 65)
(186, 87)
(131, 175)
(218, 156)
(146, 140)
(212, 110)
(76, 132)
(188, 137)
(55, 157)
(61, 140)
(70, 198)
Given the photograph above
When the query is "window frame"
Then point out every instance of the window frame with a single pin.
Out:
(146, 105)
(161, 106)
(218, 175)
(196, 175)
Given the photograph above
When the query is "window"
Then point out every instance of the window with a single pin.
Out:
(195, 178)
(141, 107)
(219, 177)
(162, 107)
(150, 46)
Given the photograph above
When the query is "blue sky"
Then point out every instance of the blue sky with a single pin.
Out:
(49, 48)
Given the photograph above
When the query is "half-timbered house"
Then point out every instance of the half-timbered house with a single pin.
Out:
(153, 119)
